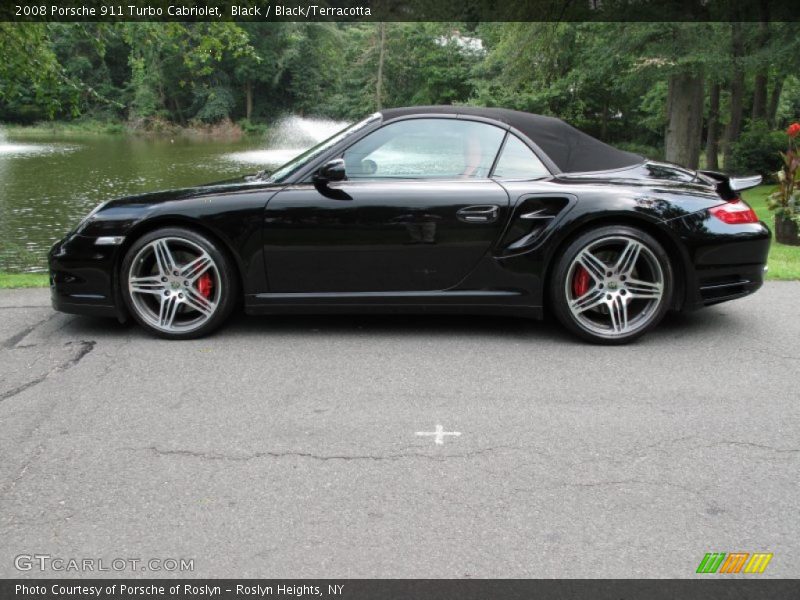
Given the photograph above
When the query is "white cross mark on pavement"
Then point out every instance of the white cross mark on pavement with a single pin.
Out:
(439, 434)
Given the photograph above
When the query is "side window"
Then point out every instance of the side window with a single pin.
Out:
(519, 162)
(425, 148)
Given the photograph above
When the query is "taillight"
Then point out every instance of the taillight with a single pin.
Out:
(734, 213)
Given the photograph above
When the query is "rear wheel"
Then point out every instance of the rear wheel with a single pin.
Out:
(177, 283)
(611, 285)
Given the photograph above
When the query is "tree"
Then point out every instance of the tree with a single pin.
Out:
(30, 75)
(175, 64)
(737, 89)
(381, 57)
(653, 87)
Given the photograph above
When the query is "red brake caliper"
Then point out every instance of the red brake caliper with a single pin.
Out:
(205, 285)
(580, 281)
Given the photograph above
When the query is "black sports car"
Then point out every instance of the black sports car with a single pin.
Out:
(425, 209)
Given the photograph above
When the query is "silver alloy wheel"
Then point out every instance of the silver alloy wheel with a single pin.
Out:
(163, 284)
(626, 289)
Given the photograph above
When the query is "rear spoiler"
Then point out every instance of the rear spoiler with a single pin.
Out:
(738, 184)
(729, 186)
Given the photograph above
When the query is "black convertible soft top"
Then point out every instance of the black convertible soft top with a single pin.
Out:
(571, 150)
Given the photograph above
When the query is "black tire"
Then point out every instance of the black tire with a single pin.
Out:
(615, 290)
(222, 274)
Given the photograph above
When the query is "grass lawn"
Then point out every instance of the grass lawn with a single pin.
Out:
(784, 261)
(23, 280)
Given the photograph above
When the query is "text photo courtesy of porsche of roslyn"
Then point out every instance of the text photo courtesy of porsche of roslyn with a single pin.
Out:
(399, 300)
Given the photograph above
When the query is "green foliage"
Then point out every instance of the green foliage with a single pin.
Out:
(80, 126)
(609, 79)
(758, 150)
(785, 200)
(29, 71)
(217, 103)
(23, 280)
(784, 261)
(789, 106)
(254, 128)
(652, 152)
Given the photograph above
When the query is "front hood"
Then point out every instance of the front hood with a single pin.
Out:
(116, 216)
(228, 186)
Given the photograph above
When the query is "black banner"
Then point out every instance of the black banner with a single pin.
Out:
(397, 10)
(401, 589)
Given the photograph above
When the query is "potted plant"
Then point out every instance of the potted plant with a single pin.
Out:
(785, 200)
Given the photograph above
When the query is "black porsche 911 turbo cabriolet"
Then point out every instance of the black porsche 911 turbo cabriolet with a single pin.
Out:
(425, 209)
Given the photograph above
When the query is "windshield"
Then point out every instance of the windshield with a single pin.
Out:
(299, 161)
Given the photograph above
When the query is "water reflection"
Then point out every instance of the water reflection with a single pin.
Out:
(48, 185)
(289, 137)
(10, 149)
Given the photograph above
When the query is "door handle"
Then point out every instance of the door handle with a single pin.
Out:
(478, 214)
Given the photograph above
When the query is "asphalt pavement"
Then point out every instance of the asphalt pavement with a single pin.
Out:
(290, 447)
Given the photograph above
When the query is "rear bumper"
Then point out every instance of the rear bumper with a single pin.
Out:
(720, 285)
(724, 262)
(82, 277)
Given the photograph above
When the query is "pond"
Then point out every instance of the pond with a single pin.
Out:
(48, 184)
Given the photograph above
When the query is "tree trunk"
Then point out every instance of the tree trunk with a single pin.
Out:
(737, 93)
(712, 139)
(178, 110)
(684, 119)
(760, 97)
(761, 80)
(774, 98)
(604, 122)
(381, 52)
(248, 104)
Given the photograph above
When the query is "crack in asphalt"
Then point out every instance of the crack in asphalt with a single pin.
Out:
(667, 447)
(750, 445)
(85, 347)
(320, 457)
(632, 482)
(212, 456)
(11, 342)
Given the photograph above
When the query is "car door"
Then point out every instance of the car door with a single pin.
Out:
(415, 213)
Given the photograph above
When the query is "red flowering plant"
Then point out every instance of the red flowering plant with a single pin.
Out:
(785, 200)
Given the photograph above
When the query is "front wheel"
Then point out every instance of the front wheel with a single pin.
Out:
(177, 284)
(611, 285)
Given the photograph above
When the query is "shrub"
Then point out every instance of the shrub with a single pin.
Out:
(785, 200)
(650, 152)
(250, 127)
(217, 104)
(758, 150)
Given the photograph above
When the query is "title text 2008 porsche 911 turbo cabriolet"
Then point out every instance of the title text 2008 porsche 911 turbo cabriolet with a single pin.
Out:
(425, 209)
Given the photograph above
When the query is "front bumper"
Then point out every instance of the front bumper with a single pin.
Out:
(724, 262)
(82, 277)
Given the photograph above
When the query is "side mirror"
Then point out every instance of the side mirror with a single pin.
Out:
(332, 170)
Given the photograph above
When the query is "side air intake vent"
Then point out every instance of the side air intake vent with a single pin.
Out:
(533, 216)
